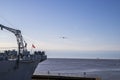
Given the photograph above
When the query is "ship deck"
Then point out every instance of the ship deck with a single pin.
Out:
(54, 77)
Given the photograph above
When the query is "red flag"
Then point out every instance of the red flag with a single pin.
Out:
(33, 46)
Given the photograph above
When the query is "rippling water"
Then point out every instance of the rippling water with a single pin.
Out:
(102, 68)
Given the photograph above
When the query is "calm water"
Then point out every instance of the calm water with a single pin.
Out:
(84, 54)
(104, 69)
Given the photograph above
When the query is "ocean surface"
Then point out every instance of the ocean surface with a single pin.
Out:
(106, 69)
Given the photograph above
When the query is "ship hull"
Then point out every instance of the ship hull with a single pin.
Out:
(11, 70)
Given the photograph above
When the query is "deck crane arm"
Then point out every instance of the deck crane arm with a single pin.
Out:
(22, 45)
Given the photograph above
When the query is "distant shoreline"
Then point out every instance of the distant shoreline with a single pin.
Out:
(85, 58)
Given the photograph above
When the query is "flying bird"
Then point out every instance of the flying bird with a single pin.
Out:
(63, 37)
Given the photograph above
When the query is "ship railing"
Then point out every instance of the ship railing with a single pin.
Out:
(80, 74)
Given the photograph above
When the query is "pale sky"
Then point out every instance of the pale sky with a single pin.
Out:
(88, 25)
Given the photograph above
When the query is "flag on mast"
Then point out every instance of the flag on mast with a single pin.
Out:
(33, 46)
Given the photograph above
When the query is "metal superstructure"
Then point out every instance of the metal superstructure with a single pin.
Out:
(19, 65)
(22, 45)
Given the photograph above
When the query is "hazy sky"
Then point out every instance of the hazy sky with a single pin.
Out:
(88, 25)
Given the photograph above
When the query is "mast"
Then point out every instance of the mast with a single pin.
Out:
(22, 45)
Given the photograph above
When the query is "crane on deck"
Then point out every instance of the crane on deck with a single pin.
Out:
(22, 45)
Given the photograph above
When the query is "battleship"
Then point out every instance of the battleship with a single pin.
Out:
(19, 64)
